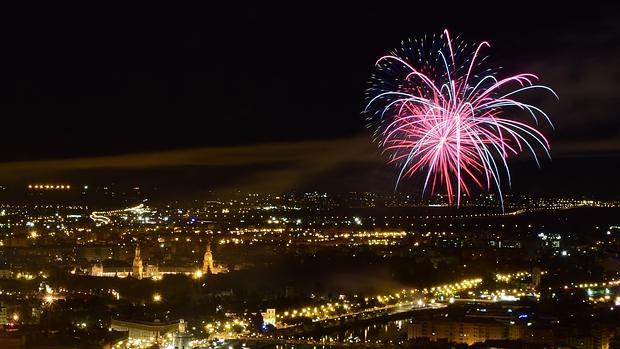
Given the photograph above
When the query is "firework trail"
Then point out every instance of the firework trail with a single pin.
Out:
(439, 114)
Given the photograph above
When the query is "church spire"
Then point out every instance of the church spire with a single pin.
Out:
(207, 263)
(137, 269)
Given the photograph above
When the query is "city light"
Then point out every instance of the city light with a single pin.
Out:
(268, 221)
(49, 186)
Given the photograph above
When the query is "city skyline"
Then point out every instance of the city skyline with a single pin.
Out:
(308, 175)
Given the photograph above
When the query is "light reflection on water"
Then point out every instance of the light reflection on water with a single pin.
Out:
(389, 332)
(383, 333)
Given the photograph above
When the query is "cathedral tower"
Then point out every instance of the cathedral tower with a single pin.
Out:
(207, 263)
(137, 270)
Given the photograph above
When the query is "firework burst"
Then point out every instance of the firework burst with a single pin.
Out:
(439, 113)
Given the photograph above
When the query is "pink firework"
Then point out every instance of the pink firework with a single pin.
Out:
(439, 114)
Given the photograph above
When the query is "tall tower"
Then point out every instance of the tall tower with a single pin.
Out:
(137, 270)
(182, 338)
(207, 263)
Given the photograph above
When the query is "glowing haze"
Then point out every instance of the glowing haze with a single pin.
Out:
(440, 114)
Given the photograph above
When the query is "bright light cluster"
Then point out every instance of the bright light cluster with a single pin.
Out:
(402, 298)
(437, 112)
(49, 186)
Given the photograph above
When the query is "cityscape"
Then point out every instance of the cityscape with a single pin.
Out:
(291, 175)
(312, 268)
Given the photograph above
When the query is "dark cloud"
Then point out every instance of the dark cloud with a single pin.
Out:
(274, 168)
(582, 68)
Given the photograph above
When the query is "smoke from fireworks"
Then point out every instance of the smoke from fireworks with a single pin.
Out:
(439, 114)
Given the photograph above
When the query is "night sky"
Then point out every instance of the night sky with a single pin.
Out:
(267, 96)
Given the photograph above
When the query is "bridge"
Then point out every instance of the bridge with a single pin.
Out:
(380, 314)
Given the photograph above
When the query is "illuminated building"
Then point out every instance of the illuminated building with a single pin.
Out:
(151, 271)
(143, 330)
(269, 317)
(96, 269)
(141, 270)
(99, 270)
(208, 264)
(467, 332)
(137, 269)
(182, 338)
